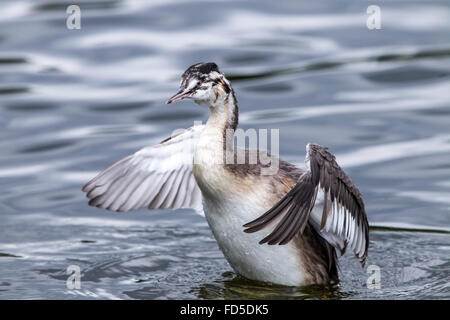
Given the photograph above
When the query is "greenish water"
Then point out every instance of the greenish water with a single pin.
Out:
(72, 102)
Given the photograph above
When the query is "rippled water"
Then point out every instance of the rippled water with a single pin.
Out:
(72, 102)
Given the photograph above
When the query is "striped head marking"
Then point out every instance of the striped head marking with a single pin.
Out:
(203, 83)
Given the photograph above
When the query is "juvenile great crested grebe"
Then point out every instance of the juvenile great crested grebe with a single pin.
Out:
(283, 227)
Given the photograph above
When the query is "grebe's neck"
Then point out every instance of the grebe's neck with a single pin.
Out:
(217, 137)
(224, 113)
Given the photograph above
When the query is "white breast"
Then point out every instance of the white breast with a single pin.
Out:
(277, 264)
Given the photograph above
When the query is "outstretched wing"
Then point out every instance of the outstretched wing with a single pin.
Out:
(343, 219)
(156, 177)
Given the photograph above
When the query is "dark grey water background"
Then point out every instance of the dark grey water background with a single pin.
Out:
(72, 102)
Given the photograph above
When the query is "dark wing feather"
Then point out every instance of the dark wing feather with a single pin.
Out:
(343, 216)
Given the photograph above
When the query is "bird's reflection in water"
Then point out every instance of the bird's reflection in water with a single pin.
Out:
(233, 286)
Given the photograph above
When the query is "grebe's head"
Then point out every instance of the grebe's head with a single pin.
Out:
(203, 83)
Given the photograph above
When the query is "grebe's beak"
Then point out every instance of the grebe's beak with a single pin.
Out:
(180, 95)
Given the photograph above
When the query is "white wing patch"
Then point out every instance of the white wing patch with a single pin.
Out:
(341, 229)
(156, 177)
